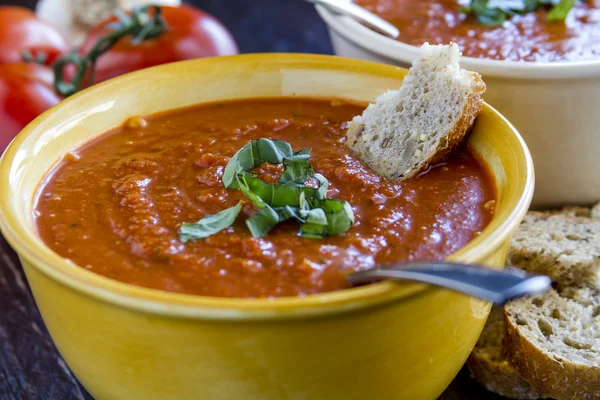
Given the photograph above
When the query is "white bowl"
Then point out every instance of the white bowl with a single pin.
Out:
(555, 106)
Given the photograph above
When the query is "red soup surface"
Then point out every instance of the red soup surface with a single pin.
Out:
(529, 37)
(116, 205)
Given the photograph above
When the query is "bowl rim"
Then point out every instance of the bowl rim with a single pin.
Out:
(154, 301)
(400, 52)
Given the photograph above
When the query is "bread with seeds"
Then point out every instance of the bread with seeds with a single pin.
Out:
(491, 368)
(596, 211)
(553, 340)
(565, 248)
(559, 243)
(407, 130)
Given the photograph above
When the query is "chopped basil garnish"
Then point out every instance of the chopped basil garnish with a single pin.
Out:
(323, 186)
(340, 216)
(297, 168)
(262, 222)
(209, 225)
(254, 154)
(560, 10)
(324, 217)
(495, 12)
(316, 215)
(276, 195)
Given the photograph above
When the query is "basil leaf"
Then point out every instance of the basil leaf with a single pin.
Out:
(492, 18)
(340, 216)
(328, 217)
(245, 188)
(316, 216)
(262, 222)
(272, 150)
(508, 6)
(302, 203)
(297, 169)
(487, 15)
(209, 225)
(288, 212)
(532, 5)
(303, 152)
(495, 12)
(313, 231)
(275, 195)
(559, 11)
(323, 186)
(315, 225)
(254, 154)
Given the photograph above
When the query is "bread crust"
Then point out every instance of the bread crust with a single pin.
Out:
(555, 377)
(400, 145)
(490, 367)
(500, 378)
(459, 131)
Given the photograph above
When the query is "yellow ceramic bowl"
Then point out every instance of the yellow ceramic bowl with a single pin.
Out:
(383, 341)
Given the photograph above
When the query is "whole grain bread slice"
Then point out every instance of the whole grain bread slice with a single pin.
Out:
(407, 130)
(490, 367)
(595, 213)
(489, 363)
(553, 340)
(577, 211)
(563, 247)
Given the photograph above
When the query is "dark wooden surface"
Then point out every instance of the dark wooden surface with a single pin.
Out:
(30, 366)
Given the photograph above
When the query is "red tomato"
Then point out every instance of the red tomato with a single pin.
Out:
(20, 31)
(191, 33)
(25, 92)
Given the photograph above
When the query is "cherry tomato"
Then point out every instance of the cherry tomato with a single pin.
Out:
(20, 31)
(190, 33)
(25, 92)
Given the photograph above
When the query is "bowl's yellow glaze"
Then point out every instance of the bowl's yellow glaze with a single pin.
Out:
(383, 341)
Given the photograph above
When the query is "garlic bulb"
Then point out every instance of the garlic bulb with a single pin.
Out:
(74, 18)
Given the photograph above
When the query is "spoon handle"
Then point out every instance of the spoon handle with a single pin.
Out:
(360, 14)
(497, 286)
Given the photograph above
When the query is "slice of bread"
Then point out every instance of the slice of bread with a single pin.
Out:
(489, 366)
(596, 211)
(565, 248)
(553, 340)
(407, 130)
(574, 211)
(489, 362)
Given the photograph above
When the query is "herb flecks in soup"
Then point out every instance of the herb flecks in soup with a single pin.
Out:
(528, 37)
(117, 208)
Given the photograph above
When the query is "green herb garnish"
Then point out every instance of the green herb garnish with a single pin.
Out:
(263, 221)
(297, 168)
(275, 195)
(254, 154)
(316, 215)
(209, 225)
(495, 12)
(560, 10)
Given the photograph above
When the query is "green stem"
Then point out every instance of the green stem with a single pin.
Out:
(141, 25)
(27, 57)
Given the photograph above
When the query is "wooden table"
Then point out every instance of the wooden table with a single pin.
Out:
(30, 366)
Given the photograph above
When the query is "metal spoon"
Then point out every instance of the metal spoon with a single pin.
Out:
(360, 14)
(485, 283)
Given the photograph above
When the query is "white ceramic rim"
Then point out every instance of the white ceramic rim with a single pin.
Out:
(404, 53)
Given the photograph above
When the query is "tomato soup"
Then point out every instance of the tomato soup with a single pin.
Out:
(528, 37)
(116, 205)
